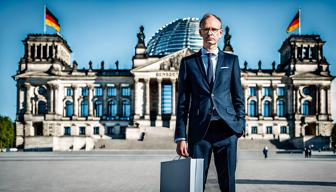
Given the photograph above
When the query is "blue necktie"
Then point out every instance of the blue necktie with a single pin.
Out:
(210, 70)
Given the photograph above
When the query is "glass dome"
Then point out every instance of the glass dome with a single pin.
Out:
(177, 35)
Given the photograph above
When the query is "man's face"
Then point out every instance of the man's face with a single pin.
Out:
(211, 31)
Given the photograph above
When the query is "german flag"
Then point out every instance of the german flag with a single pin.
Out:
(295, 23)
(51, 20)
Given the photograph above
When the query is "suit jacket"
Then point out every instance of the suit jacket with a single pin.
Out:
(196, 99)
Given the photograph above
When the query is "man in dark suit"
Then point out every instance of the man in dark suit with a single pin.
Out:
(211, 103)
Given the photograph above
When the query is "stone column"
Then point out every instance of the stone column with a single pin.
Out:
(56, 96)
(51, 99)
(147, 98)
(28, 104)
(259, 95)
(105, 97)
(174, 96)
(246, 95)
(136, 102)
(90, 100)
(297, 102)
(322, 100)
(160, 98)
(75, 99)
(20, 98)
(35, 53)
(29, 51)
(328, 101)
(275, 98)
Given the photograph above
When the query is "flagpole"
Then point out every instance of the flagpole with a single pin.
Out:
(44, 20)
(299, 21)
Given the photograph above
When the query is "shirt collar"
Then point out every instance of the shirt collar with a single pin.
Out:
(204, 51)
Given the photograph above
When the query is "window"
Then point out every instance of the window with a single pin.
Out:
(98, 108)
(42, 91)
(269, 130)
(307, 90)
(281, 91)
(68, 91)
(42, 108)
(253, 91)
(81, 130)
(125, 91)
(84, 108)
(96, 130)
(306, 108)
(166, 99)
(253, 108)
(68, 109)
(267, 91)
(254, 130)
(126, 109)
(98, 91)
(85, 91)
(283, 130)
(267, 109)
(67, 131)
(111, 91)
(281, 108)
(112, 108)
(110, 130)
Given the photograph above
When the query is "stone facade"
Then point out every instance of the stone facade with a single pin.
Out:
(62, 107)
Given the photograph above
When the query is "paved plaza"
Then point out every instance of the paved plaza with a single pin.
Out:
(129, 171)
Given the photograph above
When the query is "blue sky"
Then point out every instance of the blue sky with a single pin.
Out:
(106, 30)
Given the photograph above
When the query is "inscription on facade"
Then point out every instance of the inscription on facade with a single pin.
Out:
(167, 74)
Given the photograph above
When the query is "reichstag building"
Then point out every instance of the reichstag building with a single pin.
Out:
(62, 107)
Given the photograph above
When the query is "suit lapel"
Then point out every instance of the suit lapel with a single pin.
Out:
(220, 63)
(200, 65)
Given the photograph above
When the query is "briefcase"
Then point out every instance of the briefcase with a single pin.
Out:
(183, 175)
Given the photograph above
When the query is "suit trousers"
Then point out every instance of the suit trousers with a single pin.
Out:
(222, 142)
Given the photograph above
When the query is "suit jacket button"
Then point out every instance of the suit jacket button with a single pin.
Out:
(212, 95)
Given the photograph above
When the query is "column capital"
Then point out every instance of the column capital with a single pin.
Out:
(146, 80)
(55, 86)
(75, 86)
(20, 85)
(259, 87)
(27, 85)
(159, 80)
(90, 86)
(136, 79)
(274, 86)
(173, 80)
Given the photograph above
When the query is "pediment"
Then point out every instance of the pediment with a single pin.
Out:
(170, 62)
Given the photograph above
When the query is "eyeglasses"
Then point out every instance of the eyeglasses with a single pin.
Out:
(206, 30)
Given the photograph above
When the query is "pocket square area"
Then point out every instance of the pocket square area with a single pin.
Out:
(224, 67)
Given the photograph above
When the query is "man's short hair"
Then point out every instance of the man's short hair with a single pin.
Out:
(207, 16)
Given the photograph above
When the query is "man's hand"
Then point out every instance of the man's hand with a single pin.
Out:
(182, 148)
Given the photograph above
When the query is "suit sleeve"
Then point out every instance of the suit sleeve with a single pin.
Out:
(237, 93)
(183, 100)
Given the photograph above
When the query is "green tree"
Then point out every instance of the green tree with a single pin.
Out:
(7, 134)
(333, 136)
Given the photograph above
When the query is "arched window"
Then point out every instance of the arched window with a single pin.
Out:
(98, 108)
(42, 108)
(281, 108)
(68, 109)
(253, 109)
(112, 108)
(126, 108)
(267, 109)
(84, 108)
(306, 108)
